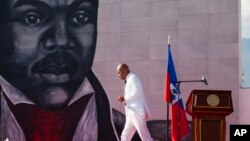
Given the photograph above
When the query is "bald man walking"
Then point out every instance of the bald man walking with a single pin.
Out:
(136, 109)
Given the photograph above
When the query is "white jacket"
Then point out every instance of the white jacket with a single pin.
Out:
(134, 96)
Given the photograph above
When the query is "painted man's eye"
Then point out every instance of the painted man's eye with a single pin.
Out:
(81, 18)
(32, 19)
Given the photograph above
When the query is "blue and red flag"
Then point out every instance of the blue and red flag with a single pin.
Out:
(172, 95)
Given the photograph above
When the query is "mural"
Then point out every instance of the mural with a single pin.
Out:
(49, 92)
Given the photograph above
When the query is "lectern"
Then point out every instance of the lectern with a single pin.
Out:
(208, 109)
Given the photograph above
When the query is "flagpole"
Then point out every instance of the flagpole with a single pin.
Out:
(178, 111)
(179, 125)
(178, 85)
(168, 122)
(179, 130)
(168, 102)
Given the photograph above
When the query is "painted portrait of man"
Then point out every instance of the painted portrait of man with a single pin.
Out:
(48, 90)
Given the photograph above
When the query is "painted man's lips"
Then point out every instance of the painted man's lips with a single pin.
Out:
(54, 74)
(50, 77)
(57, 70)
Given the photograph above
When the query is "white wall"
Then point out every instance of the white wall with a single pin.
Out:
(204, 42)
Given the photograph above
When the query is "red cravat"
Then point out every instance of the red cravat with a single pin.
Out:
(41, 125)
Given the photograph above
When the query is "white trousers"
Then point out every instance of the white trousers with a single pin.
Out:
(135, 122)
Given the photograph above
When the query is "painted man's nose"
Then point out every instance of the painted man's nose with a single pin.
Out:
(61, 37)
(58, 38)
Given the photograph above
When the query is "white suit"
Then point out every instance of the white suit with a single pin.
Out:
(136, 110)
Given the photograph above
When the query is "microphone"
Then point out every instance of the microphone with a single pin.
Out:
(203, 79)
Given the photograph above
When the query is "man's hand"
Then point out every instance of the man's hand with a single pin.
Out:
(121, 98)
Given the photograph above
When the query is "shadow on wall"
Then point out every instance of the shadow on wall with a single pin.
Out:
(157, 128)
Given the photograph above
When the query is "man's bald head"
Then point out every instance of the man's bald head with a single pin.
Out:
(123, 67)
(122, 71)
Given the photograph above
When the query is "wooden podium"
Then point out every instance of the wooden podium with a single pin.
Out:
(208, 109)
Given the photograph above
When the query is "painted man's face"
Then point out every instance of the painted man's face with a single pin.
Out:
(53, 47)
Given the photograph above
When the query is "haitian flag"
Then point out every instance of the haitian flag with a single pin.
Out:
(172, 95)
